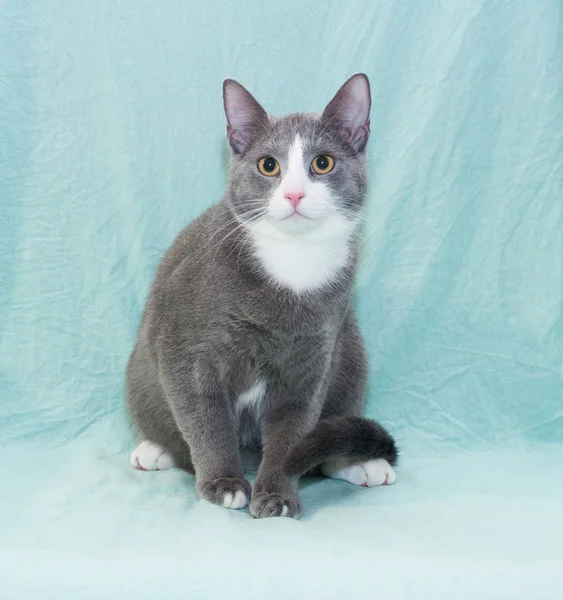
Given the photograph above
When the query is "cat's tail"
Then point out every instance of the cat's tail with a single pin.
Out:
(342, 437)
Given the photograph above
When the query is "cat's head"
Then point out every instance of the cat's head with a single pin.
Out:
(298, 173)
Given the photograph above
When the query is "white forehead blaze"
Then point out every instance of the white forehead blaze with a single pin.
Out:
(295, 179)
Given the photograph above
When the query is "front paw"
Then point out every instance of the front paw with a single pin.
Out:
(230, 492)
(272, 504)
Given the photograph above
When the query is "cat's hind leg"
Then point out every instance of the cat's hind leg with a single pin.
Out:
(149, 456)
(345, 397)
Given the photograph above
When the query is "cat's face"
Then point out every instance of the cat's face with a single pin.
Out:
(294, 174)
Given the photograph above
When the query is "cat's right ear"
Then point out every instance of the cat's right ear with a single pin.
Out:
(245, 117)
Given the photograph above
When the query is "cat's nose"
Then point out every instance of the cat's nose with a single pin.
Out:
(294, 197)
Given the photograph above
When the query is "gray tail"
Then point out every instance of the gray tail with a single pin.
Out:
(343, 437)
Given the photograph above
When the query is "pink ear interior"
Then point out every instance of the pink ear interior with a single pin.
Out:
(244, 115)
(349, 110)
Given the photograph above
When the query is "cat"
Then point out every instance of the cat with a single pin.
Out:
(248, 339)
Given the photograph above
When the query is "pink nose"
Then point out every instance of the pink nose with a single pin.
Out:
(294, 197)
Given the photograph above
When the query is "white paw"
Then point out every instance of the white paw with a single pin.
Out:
(370, 473)
(238, 501)
(149, 456)
(379, 472)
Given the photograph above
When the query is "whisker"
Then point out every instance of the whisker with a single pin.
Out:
(236, 218)
(237, 228)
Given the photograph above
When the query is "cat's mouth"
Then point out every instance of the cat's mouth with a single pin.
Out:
(297, 216)
(298, 223)
(296, 220)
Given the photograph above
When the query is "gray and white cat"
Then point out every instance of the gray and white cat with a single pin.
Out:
(248, 340)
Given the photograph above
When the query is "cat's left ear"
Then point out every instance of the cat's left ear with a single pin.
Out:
(245, 116)
(348, 111)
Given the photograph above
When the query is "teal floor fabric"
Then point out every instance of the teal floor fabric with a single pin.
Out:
(476, 525)
(112, 138)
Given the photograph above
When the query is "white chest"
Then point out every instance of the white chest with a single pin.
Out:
(251, 398)
(307, 262)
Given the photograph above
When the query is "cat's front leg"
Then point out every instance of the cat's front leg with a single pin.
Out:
(204, 416)
(275, 494)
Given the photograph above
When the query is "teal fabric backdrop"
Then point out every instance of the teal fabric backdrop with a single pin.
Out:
(112, 139)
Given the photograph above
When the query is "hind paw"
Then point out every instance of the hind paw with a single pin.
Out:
(149, 456)
(371, 473)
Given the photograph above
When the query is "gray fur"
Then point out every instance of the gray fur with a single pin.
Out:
(215, 324)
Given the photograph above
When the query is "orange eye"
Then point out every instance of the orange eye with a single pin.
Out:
(268, 166)
(322, 164)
